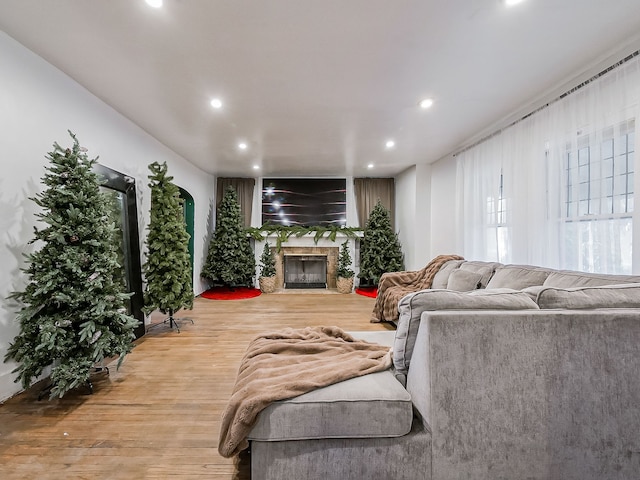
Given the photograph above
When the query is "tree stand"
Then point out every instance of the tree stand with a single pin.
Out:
(173, 322)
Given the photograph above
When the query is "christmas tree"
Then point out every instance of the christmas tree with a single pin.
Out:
(168, 266)
(380, 251)
(73, 313)
(267, 262)
(230, 260)
(344, 262)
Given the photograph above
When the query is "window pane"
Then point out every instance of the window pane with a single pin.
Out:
(608, 205)
(630, 183)
(583, 207)
(606, 149)
(620, 165)
(584, 191)
(620, 184)
(583, 156)
(584, 173)
(621, 145)
(620, 204)
(607, 187)
(607, 167)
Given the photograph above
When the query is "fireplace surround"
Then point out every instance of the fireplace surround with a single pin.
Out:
(308, 246)
(303, 261)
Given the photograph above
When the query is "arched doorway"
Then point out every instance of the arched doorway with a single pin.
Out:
(188, 209)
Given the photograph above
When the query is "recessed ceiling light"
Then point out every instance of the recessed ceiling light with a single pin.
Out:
(243, 146)
(426, 103)
(370, 166)
(390, 144)
(256, 167)
(154, 3)
(216, 103)
(510, 3)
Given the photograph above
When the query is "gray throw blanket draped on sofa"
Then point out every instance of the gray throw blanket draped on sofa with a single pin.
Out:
(288, 363)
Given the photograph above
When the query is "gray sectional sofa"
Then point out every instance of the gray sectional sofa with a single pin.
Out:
(500, 372)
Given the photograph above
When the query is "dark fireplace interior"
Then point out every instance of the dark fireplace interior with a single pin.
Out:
(305, 271)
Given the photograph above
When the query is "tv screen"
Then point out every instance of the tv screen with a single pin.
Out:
(304, 201)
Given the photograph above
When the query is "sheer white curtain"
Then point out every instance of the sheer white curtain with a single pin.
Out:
(557, 188)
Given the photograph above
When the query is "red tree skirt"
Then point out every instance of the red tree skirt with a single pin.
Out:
(226, 293)
(367, 291)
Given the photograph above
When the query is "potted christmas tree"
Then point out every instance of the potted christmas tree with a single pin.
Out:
(230, 260)
(267, 277)
(380, 250)
(73, 315)
(344, 273)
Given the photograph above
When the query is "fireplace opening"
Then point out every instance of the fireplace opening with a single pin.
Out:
(305, 271)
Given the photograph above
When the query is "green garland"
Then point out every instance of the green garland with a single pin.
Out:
(282, 233)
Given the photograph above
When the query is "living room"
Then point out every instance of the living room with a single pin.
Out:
(436, 209)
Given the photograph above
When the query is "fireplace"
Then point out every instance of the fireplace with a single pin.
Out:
(305, 271)
(308, 247)
(306, 267)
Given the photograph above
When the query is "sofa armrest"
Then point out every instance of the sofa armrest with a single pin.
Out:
(530, 394)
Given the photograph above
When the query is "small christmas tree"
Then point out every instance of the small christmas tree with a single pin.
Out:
(267, 262)
(73, 315)
(380, 251)
(344, 262)
(230, 260)
(168, 266)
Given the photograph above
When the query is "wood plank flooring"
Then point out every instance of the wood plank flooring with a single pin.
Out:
(159, 415)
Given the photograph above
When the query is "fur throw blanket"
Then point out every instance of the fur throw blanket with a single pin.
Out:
(288, 363)
(393, 286)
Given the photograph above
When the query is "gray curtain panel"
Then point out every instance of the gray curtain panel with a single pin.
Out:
(244, 189)
(368, 191)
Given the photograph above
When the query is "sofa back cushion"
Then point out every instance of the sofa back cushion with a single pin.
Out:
(464, 280)
(412, 306)
(518, 277)
(441, 278)
(570, 278)
(605, 296)
(486, 269)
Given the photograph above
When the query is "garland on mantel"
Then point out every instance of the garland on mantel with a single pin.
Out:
(282, 233)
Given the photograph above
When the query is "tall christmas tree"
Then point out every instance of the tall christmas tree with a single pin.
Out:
(380, 251)
(73, 315)
(168, 266)
(230, 260)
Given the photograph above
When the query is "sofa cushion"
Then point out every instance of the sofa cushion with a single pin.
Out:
(486, 269)
(464, 280)
(606, 296)
(374, 405)
(412, 306)
(569, 278)
(441, 278)
(518, 277)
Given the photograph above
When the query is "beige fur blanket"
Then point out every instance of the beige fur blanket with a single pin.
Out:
(393, 286)
(288, 363)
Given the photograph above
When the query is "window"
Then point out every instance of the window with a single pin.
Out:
(599, 174)
(497, 230)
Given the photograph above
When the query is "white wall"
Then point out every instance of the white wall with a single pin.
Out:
(405, 214)
(445, 237)
(38, 103)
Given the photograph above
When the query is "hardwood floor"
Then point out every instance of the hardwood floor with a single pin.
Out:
(159, 415)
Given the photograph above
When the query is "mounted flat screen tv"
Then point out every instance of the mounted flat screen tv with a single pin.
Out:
(304, 202)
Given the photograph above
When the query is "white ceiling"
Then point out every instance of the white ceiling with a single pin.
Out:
(317, 87)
